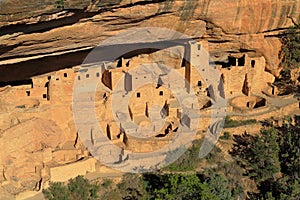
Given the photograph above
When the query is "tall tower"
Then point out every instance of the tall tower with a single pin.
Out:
(196, 56)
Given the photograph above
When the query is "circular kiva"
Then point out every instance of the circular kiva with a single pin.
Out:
(245, 103)
(89, 130)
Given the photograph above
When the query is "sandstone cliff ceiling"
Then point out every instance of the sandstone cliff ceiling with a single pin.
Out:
(61, 33)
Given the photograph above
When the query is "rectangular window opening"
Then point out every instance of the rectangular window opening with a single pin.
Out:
(199, 83)
(252, 63)
(199, 47)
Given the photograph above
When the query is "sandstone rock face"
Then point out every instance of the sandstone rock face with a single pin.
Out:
(22, 158)
(39, 28)
(36, 133)
(295, 74)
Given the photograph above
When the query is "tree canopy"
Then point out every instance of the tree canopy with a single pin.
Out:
(272, 159)
(291, 47)
(78, 188)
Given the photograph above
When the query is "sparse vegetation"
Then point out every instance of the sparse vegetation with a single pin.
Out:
(291, 48)
(225, 136)
(290, 55)
(229, 123)
(269, 162)
(132, 186)
(285, 84)
(78, 188)
(59, 3)
(106, 183)
(190, 158)
(57, 191)
(215, 156)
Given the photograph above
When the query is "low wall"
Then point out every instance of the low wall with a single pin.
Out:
(66, 172)
(251, 129)
(275, 113)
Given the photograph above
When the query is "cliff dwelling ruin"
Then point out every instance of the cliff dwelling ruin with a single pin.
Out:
(152, 90)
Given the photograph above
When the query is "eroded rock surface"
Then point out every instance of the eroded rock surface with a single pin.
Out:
(24, 156)
(39, 28)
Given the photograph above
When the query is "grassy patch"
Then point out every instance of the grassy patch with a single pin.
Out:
(229, 123)
(107, 183)
(190, 158)
(225, 136)
(59, 3)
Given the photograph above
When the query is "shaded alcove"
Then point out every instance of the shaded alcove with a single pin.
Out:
(241, 61)
(47, 86)
(24, 70)
(231, 61)
(207, 105)
(260, 103)
(17, 83)
(252, 63)
(108, 133)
